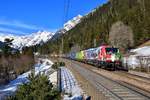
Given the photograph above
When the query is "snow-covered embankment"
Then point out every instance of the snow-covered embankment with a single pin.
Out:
(69, 85)
(43, 66)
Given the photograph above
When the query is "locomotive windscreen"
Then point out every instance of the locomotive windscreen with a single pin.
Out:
(111, 50)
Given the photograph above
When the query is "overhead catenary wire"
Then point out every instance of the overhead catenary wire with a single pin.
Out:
(66, 11)
(64, 19)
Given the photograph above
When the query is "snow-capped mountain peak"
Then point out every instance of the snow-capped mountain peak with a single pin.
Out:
(27, 40)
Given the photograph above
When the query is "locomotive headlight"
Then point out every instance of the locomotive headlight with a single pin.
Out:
(113, 58)
(117, 58)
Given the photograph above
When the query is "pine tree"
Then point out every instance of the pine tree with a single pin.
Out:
(7, 48)
(39, 88)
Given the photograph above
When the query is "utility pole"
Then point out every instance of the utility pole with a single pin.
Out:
(62, 45)
(94, 42)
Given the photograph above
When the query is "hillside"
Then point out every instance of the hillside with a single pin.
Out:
(121, 23)
(147, 43)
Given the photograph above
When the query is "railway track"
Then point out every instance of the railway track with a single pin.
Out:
(139, 78)
(140, 83)
(111, 89)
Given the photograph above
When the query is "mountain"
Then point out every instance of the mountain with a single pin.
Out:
(41, 36)
(120, 23)
(70, 24)
(27, 40)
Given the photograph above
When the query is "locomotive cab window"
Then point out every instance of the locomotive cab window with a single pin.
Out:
(111, 50)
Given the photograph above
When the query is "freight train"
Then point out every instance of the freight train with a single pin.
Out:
(105, 56)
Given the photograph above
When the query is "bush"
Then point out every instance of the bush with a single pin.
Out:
(39, 88)
(56, 65)
(12, 66)
(62, 63)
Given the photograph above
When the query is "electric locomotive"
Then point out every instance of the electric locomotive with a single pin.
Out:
(103, 56)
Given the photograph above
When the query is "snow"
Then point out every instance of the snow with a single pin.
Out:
(53, 78)
(43, 66)
(72, 23)
(69, 85)
(68, 26)
(143, 51)
(12, 86)
(132, 60)
(27, 40)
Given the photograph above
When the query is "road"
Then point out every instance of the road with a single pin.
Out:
(111, 89)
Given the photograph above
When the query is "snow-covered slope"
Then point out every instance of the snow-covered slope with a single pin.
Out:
(27, 40)
(143, 51)
(44, 67)
(68, 26)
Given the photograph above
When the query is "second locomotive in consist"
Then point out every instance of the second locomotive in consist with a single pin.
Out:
(103, 56)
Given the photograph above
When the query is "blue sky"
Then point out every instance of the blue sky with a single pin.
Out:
(22, 17)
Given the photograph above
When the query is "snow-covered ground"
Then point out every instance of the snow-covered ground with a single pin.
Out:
(133, 60)
(69, 85)
(143, 51)
(43, 66)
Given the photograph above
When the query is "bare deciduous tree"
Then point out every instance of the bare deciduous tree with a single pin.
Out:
(121, 35)
(144, 63)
